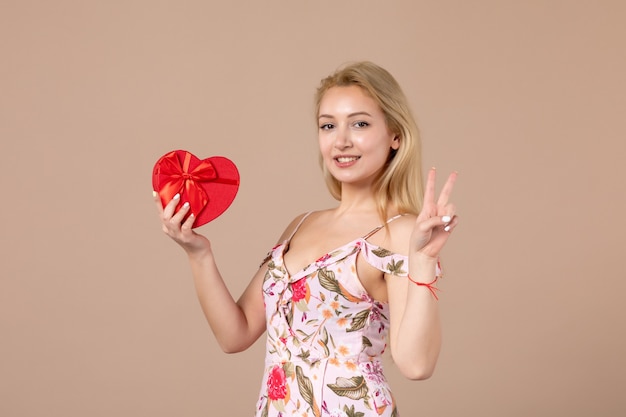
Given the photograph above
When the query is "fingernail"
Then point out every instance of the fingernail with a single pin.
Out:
(154, 193)
(177, 196)
(186, 204)
(447, 228)
(446, 219)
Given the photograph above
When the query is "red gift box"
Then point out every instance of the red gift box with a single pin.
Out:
(209, 185)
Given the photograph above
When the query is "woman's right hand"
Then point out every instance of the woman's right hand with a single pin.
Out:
(180, 231)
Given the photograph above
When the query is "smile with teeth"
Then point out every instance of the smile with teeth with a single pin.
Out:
(345, 159)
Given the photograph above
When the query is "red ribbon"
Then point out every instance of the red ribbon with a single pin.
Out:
(175, 178)
(429, 285)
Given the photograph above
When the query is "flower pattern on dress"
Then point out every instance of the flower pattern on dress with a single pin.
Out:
(299, 290)
(337, 412)
(276, 389)
(325, 336)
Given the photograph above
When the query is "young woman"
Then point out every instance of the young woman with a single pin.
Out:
(343, 281)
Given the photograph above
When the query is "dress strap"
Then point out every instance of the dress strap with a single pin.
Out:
(376, 229)
(298, 226)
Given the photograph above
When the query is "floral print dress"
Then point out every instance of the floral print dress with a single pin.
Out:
(326, 335)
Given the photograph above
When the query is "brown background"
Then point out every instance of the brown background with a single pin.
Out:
(526, 99)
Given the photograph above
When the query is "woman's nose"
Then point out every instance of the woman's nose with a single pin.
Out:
(342, 139)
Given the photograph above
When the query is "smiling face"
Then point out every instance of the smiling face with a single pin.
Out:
(354, 139)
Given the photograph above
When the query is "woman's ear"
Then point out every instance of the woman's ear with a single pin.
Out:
(395, 144)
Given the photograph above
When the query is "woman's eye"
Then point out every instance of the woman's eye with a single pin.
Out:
(326, 126)
(361, 124)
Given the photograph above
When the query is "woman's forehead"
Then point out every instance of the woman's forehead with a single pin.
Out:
(347, 100)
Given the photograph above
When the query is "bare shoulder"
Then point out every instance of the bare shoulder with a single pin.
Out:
(291, 227)
(399, 233)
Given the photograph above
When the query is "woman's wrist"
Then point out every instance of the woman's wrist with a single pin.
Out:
(423, 272)
(431, 286)
(200, 255)
(421, 265)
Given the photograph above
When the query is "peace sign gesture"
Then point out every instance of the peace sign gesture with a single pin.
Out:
(436, 220)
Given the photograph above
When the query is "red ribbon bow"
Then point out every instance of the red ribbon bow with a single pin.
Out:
(178, 179)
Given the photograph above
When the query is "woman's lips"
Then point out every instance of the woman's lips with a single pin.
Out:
(345, 161)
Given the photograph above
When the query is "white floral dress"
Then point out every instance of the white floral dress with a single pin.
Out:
(326, 335)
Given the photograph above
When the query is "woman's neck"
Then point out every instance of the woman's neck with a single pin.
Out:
(357, 199)
(360, 200)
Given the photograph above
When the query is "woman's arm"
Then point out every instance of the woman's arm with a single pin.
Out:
(415, 334)
(235, 324)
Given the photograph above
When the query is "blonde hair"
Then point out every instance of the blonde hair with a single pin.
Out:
(400, 183)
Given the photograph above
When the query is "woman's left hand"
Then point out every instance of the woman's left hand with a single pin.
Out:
(436, 220)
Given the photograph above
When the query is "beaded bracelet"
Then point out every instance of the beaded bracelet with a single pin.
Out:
(429, 285)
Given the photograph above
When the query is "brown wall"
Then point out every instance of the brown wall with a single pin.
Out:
(98, 315)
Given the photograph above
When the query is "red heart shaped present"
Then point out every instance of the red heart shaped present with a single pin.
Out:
(209, 185)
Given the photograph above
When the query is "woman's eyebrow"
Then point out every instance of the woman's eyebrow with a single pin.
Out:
(358, 113)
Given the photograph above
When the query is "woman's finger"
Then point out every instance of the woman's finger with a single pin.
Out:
(168, 210)
(447, 212)
(433, 222)
(447, 190)
(157, 200)
(177, 218)
(429, 192)
(448, 227)
(188, 224)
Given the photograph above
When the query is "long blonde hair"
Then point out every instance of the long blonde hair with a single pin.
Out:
(400, 183)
